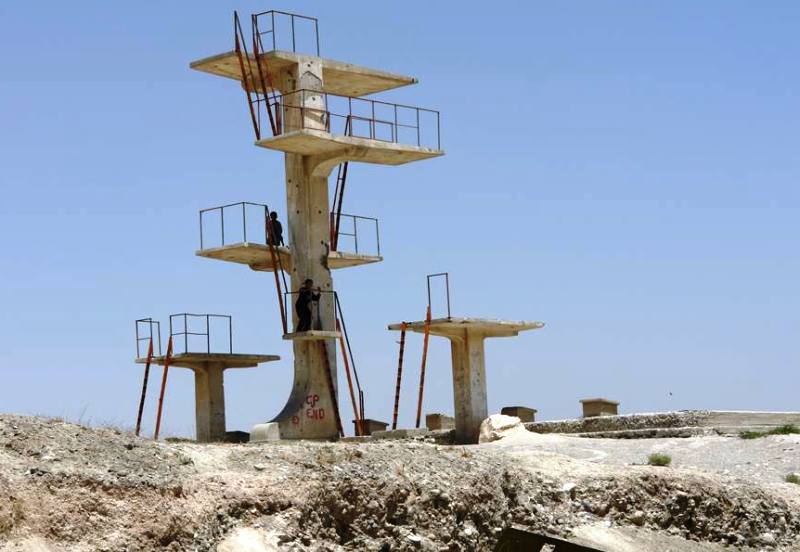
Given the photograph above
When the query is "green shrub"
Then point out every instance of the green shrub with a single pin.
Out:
(793, 478)
(658, 459)
(781, 430)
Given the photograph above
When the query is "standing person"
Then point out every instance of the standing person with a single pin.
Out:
(275, 234)
(307, 295)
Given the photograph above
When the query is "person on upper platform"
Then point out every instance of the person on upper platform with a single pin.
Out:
(275, 233)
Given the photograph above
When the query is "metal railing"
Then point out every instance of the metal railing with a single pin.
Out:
(259, 212)
(353, 226)
(146, 325)
(293, 21)
(446, 276)
(357, 117)
(316, 321)
(207, 318)
(227, 219)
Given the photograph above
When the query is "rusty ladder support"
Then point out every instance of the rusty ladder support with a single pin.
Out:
(277, 265)
(357, 411)
(270, 98)
(338, 193)
(424, 361)
(167, 360)
(242, 55)
(399, 374)
(144, 386)
(332, 390)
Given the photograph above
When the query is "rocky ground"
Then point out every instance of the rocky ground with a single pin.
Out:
(66, 487)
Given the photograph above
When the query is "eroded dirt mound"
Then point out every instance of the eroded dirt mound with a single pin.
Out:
(65, 487)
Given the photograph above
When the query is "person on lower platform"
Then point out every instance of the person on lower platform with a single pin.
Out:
(306, 297)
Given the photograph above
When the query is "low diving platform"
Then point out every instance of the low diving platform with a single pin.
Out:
(196, 361)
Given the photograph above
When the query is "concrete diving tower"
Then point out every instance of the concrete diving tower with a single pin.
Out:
(311, 109)
(209, 386)
(466, 337)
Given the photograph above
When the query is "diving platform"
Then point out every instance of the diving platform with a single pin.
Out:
(487, 327)
(467, 336)
(195, 361)
(338, 77)
(309, 141)
(311, 335)
(257, 256)
(186, 331)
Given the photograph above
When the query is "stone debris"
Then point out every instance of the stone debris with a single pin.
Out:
(497, 426)
(72, 488)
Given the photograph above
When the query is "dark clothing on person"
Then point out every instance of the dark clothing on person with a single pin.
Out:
(303, 308)
(276, 231)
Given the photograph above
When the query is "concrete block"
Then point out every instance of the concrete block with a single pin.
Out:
(400, 433)
(439, 421)
(369, 425)
(262, 433)
(599, 407)
(524, 413)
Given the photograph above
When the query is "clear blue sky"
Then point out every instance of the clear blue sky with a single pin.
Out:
(626, 172)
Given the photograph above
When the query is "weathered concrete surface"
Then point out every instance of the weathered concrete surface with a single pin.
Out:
(718, 421)
(467, 336)
(439, 421)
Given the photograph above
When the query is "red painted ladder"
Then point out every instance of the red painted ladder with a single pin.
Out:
(167, 360)
(144, 385)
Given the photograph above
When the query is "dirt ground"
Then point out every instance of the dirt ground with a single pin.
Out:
(67, 487)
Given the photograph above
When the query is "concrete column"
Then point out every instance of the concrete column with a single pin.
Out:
(209, 391)
(469, 385)
(309, 412)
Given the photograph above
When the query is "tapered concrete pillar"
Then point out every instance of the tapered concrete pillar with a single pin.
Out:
(309, 411)
(466, 337)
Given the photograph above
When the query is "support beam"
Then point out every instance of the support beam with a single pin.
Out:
(309, 411)
(209, 392)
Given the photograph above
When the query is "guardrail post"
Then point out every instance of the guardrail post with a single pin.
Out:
(244, 222)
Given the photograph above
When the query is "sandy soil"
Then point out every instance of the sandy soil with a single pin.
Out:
(66, 487)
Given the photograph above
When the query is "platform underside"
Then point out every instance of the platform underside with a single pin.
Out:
(257, 256)
(338, 77)
(312, 335)
(453, 327)
(197, 360)
(347, 148)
